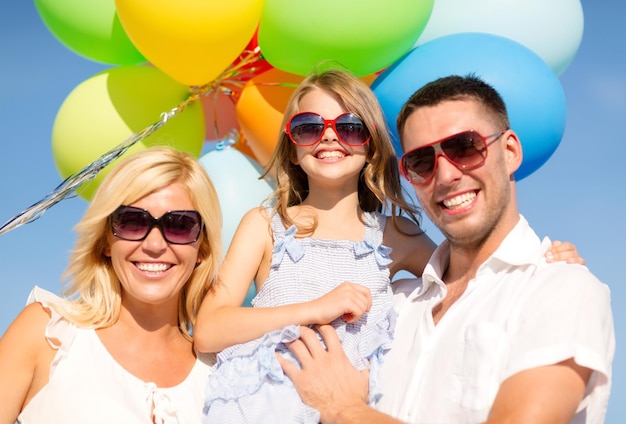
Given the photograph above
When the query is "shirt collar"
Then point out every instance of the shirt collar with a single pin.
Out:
(520, 247)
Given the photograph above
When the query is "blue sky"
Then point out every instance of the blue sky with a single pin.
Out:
(577, 195)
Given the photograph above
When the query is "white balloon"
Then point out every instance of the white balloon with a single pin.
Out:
(553, 29)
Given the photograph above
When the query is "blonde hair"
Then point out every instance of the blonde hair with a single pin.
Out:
(379, 182)
(93, 287)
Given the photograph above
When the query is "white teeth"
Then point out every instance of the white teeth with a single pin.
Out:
(153, 267)
(460, 201)
(330, 154)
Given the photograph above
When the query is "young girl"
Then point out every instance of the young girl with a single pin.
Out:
(324, 253)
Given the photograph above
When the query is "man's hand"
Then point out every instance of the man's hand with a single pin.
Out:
(327, 381)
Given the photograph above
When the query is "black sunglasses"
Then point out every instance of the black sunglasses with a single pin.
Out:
(134, 224)
(466, 150)
(307, 128)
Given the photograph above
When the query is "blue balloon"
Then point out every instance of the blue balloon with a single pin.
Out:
(531, 90)
(239, 189)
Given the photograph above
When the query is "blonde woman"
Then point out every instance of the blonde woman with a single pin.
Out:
(118, 346)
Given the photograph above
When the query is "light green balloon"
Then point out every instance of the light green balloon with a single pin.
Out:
(89, 28)
(108, 108)
(364, 36)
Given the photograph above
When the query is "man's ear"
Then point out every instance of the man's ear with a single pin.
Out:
(513, 152)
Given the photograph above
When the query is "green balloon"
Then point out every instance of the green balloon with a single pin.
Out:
(364, 36)
(111, 106)
(89, 28)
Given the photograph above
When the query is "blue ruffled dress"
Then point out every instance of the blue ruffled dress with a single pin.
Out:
(248, 384)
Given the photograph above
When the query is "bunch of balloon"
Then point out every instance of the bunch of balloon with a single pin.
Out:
(242, 60)
(187, 44)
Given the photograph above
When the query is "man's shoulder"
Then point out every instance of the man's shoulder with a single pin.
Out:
(566, 280)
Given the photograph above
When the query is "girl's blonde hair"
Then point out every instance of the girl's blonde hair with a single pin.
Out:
(379, 182)
(93, 287)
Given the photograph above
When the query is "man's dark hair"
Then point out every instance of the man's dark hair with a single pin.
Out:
(455, 87)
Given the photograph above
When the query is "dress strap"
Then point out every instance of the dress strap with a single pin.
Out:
(278, 228)
(375, 227)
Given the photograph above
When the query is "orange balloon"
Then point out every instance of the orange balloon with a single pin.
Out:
(260, 110)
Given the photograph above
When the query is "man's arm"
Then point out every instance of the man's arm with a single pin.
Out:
(328, 381)
(548, 394)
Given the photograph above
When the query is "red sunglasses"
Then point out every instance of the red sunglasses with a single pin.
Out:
(466, 150)
(307, 129)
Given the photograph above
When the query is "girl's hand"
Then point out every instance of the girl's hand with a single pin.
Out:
(564, 251)
(348, 300)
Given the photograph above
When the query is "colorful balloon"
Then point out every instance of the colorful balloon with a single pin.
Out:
(192, 41)
(219, 115)
(365, 36)
(108, 108)
(531, 90)
(260, 110)
(90, 29)
(552, 29)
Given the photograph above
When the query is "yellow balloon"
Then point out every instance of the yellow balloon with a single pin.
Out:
(192, 41)
(108, 108)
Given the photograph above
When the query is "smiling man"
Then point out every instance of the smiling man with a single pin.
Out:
(491, 332)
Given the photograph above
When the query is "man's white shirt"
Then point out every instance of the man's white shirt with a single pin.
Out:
(519, 312)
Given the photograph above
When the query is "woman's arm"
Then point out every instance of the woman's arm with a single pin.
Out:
(25, 358)
(223, 322)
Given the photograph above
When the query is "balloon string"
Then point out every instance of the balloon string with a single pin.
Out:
(234, 76)
(73, 182)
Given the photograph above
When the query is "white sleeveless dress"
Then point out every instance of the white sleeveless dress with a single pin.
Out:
(87, 385)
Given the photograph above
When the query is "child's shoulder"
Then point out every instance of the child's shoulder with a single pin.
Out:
(255, 218)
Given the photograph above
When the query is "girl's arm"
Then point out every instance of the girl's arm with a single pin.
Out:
(223, 322)
(25, 358)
